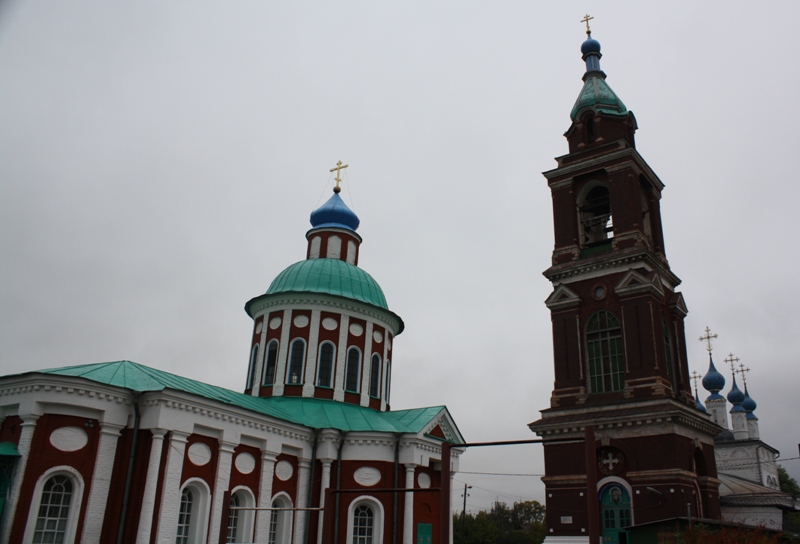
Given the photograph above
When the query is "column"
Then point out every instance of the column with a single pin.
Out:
(101, 482)
(303, 473)
(167, 522)
(326, 483)
(408, 512)
(220, 487)
(265, 496)
(24, 448)
(150, 487)
(450, 517)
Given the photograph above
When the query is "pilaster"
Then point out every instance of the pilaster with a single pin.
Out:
(408, 510)
(146, 522)
(27, 429)
(220, 487)
(265, 495)
(167, 522)
(101, 482)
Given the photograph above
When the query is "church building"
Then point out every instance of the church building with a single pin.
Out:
(624, 443)
(309, 452)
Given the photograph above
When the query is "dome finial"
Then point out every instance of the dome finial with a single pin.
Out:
(586, 19)
(338, 169)
(707, 339)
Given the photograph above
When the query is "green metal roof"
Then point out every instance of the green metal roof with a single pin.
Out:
(8, 449)
(314, 413)
(330, 276)
(597, 94)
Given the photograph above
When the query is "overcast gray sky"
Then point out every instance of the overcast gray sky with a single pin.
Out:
(159, 160)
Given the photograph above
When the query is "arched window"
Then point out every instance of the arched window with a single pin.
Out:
(240, 522)
(53, 513)
(352, 370)
(605, 353)
(363, 525)
(251, 372)
(375, 376)
(270, 363)
(325, 365)
(388, 381)
(297, 357)
(54, 510)
(595, 212)
(193, 513)
(280, 523)
(185, 517)
(365, 521)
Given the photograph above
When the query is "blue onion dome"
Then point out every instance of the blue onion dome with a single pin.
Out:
(713, 381)
(749, 404)
(590, 46)
(334, 213)
(698, 404)
(735, 397)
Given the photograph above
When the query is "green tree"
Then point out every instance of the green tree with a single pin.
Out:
(522, 523)
(787, 483)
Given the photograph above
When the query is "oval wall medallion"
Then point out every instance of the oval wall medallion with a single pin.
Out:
(388, 344)
(274, 323)
(356, 329)
(259, 327)
(300, 321)
(367, 476)
(423, 480)
(69, 438)
(377, 336)
(284, 470)
(245, 463)
(329, 324)
(199, 454)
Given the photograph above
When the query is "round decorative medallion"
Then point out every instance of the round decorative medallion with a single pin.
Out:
(329, 324)
(199, 454)
(274, 323)
(423, 480)
(388, 344)
(367, 476)
(356, 329)
(284, 470)
(377, 336)
(245, 463)
(610, 461)
(599, 292)
(259, 327)
(69, 438)
(300, 321)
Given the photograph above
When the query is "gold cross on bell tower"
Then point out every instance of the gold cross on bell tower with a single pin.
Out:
(338, 169)
(586, 19)
(743, 370)
(695, 377)
(731, 360)
(707, 339)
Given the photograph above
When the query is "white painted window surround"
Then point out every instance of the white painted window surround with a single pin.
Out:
(245, 518)
(76, 480)
(201, 503)
(356, 509)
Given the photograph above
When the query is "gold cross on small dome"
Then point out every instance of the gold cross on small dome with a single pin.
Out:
(338, 169)
(708, 338)
(586, 19)
(731, 360)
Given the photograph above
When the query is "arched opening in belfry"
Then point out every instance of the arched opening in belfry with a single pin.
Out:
(595, 213)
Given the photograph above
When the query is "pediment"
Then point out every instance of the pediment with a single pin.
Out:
(635, 283)
(443, 428)
(678, 304)
(562, 298)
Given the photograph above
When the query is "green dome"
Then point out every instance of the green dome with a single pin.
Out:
(597, 94)
(331, 277)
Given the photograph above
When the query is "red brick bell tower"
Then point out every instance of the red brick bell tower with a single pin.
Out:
(618, 340)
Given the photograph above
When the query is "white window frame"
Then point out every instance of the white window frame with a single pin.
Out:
(373, 379)
(333, 365)
(285, 518)
(244, 530)
(358, 372)
(251, 371)
(266, 363)
(302, 363)
(201, 505)
(74, 508)
(388, 380)
(377, 519)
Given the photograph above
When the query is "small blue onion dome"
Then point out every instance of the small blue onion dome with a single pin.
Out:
(713, 381)
(698, 404)
(748, 403)
(334, 213)
(735, 395)
(590, 46)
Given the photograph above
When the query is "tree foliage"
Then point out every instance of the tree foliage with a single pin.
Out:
(522, 523)
(787, 483)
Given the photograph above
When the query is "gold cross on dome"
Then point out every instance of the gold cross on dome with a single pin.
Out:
(586, 19)
(743, 370)
(707, 339)
(695, 377)
(338, 169)
(731, 360)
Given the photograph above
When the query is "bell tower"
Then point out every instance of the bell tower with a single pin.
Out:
(619, 347)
